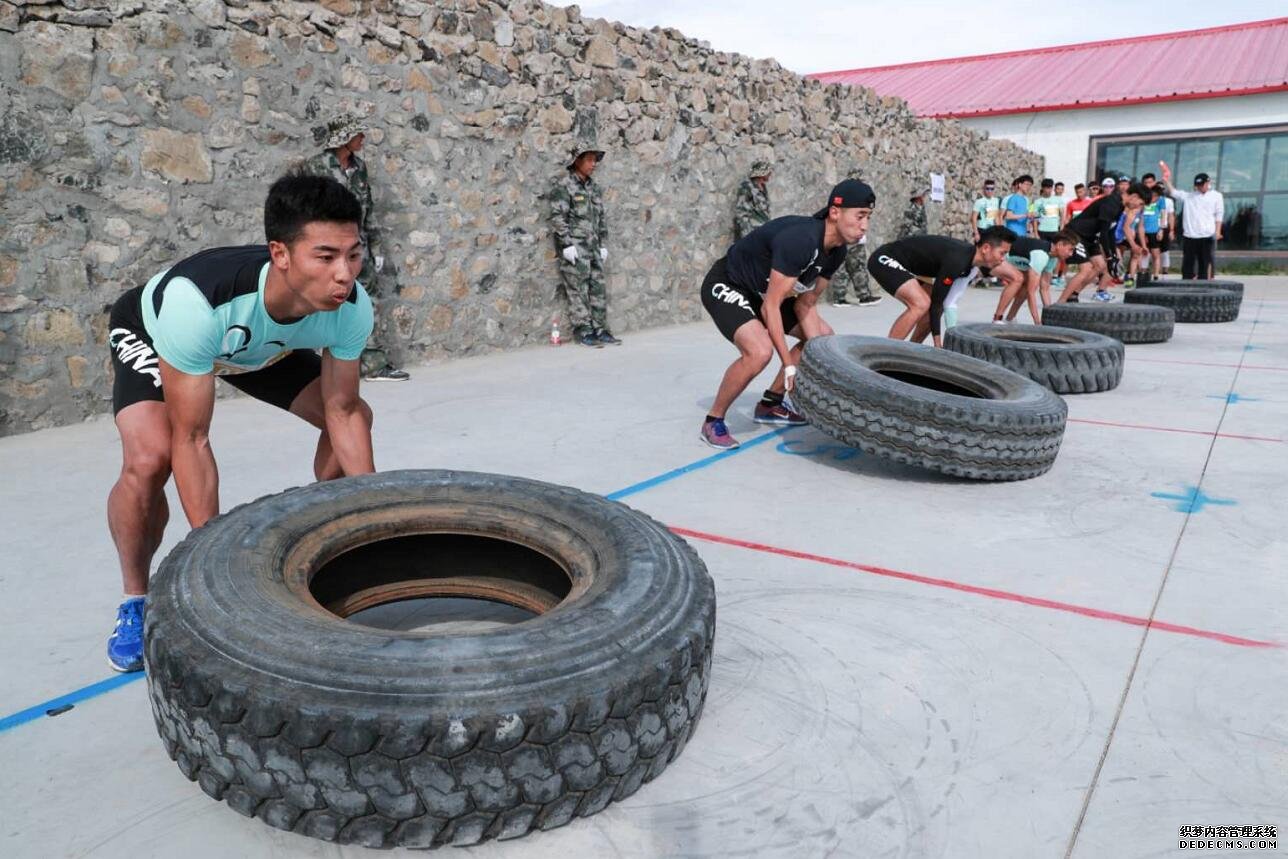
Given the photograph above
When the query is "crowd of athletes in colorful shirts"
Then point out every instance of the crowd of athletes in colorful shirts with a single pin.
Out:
(1143, 230)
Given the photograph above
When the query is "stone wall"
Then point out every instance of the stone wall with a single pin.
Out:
(133, 133)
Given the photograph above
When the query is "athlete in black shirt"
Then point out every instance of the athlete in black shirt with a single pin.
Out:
(921, 270)
(1094, 227)
(766, 289)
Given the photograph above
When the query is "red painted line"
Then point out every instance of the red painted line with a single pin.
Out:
(1173, 429)
(992, 593)
(1136, 360)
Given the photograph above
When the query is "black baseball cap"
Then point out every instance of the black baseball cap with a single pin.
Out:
(1201, 178)
(850, 194)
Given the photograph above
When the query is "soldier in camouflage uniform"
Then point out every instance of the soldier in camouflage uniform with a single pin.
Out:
(580, 232)
(751, 207)
(914, 217)
(339, 160)
(852, 284)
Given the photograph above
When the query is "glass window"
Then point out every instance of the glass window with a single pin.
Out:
(1149, 154)
(1194, 157)
(1277, 164)
(1117, 160)
(1241, 161)
(1274, 223)
(1249, 166)
(1242, 229)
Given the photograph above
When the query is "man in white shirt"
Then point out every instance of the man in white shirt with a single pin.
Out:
(1202, 216)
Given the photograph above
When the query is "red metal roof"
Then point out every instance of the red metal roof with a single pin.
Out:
(1238, 59)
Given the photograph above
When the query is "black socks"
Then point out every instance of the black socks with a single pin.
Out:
(771, 399)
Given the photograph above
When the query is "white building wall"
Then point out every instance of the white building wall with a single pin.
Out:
(1064, 136)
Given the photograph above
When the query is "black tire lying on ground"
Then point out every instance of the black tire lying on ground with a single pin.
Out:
(1140, 323)
(1066, 360)
(1229, 285)
(1190, 305)
(930, 407)
(271, 701)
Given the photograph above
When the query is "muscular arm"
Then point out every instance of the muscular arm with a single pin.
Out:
(345, 422)
(190, 401)
(780, 288)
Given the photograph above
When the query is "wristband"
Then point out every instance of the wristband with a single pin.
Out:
(789, 370)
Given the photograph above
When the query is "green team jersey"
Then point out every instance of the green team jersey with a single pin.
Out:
(1047, 212)
(986, 212)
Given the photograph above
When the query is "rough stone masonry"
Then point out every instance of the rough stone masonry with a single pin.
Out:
(133, 133)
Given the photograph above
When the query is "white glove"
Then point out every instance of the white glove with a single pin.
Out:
(570, 254)
(380, 263)
(789, 376)
(603, 254)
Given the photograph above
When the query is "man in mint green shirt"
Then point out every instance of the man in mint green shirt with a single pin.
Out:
(1046, 211)
(251, 315)
(986, 210)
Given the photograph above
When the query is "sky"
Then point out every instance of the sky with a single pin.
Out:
(829, 35)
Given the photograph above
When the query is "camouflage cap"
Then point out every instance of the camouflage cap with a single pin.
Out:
(342, 129)
(581, 148)
(760, 168)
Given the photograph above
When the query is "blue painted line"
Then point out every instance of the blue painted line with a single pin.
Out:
(1254, 348)
(95, 689)
(1232, 398)
(66, 702)
(797, 447)
(1193, 500)
(694, 466)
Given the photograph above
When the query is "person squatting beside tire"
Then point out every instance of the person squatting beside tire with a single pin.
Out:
(928, 273)
(766, 288)
(252, 315)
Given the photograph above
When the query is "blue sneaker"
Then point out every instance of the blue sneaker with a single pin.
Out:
(1101, 295)
(125, 645)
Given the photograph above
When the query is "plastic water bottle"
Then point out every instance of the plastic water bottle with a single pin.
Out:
(950, 317)
(554, 333)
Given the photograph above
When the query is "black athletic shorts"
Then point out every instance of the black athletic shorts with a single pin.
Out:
(1085, 249)
(137, 370)
(889, 275)
(1153, 242)
(731, 306)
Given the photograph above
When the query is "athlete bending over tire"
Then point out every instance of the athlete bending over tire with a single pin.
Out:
(254, 315)
(1027, 272)
(1095, 226)
(927, 272)
(766, 289)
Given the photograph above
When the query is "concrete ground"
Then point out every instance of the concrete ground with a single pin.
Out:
(906, 665)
